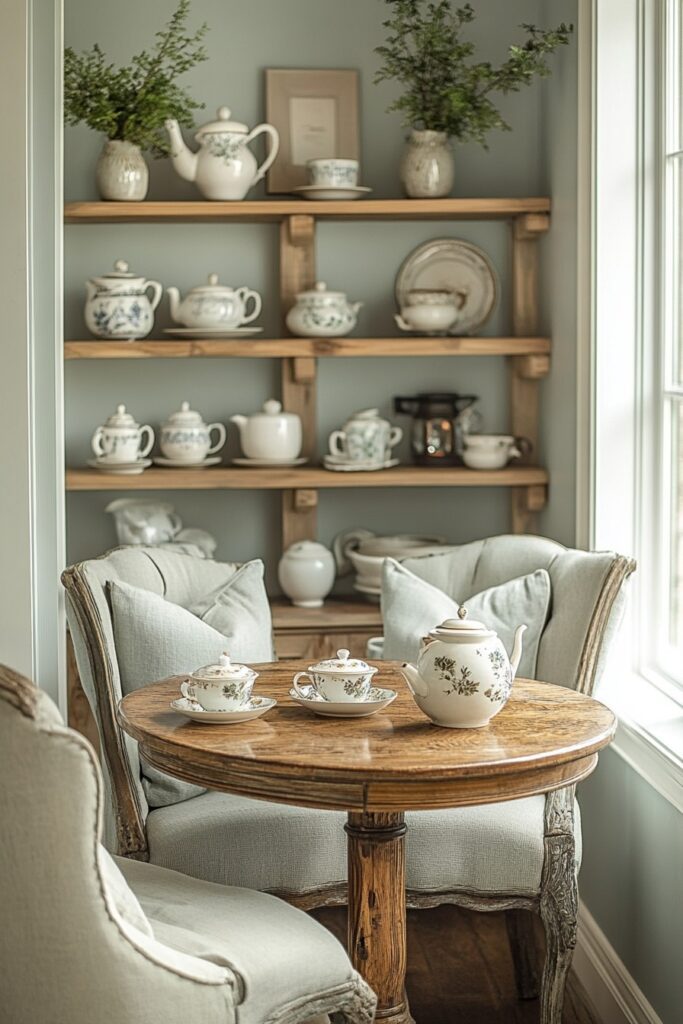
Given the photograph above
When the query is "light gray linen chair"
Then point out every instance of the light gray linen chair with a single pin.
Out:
(500, 856)
(85, 941)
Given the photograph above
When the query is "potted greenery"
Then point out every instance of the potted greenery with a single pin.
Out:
(131, 104)
(446, 94)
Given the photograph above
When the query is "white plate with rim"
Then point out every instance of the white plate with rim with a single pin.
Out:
(255, 707)
(377, 699)
(454, 265)
(270, 463)
(213, 332)
(328, 192)
(121, 468)
(340, 466)
(210, 460)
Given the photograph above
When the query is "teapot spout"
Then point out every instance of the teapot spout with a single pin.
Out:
(182, 158)
(416, 683)
(240, 420)
(516, 650)
(174, 299)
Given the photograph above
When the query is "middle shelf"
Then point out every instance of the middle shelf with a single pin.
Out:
(303, 478)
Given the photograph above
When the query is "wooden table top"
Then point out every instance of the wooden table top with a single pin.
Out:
(547, 736)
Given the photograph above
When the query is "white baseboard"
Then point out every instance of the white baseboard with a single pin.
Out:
(612, 991)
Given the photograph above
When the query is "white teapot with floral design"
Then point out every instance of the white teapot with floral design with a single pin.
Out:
(463, 675)
(224, 167)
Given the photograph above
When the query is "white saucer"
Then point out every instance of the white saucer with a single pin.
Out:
(120, 468)
(213, 332)
(210, 460)
(374, 592)
(253, 709)
(272, 463)
(326, 192)
(341, 466)
(378, 698)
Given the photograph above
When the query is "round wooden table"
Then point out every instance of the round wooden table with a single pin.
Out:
(376, 768)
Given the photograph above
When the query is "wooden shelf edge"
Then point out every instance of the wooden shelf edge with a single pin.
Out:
(286, 348)
(275, 210)
(308, 477)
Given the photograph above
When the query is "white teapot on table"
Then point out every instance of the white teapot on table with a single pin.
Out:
(463, 675)
(224, 167)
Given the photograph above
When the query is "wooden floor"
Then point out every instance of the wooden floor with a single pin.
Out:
(460, 971)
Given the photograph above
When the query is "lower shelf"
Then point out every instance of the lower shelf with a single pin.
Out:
(304, 478)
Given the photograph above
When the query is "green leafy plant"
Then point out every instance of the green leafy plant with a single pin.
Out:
(445, 90)
(132, 103)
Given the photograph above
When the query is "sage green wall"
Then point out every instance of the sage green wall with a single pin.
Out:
(362, 259)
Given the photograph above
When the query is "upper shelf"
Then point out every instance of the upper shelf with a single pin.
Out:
(275, 210)
(293, 348)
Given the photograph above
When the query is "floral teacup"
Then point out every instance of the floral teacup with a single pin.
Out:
(341, 679)
(221, 687)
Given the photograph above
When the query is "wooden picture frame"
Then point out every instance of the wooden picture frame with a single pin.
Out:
(315, 112)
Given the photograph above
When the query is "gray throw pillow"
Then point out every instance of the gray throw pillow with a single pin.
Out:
(411, 607)
(155, 638)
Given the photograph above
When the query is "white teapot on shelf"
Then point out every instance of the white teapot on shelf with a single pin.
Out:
(117, 304)
(463, 675)
(318, 313)
(270, 434)
(185, 437)
(214, 305)
(224, 168)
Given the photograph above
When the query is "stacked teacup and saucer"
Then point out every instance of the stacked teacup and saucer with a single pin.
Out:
(340, 687)
(332, 178)
(221, 694)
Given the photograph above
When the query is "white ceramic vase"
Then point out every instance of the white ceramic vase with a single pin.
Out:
(121, 172)
(427, 166)
(306, 573)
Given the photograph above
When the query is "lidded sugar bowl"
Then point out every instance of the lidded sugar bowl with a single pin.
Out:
(319, 313)
(117, 305)
(185, 437)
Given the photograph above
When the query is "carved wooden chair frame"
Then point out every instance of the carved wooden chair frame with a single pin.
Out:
(557, 900)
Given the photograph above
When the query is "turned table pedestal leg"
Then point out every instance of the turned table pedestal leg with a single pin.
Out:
(377, 909)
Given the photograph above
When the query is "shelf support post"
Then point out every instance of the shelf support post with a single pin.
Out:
(526, 371)
(297, 273)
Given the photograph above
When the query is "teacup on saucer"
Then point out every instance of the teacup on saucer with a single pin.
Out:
(220, 687)
(253, 708)
(341, 679)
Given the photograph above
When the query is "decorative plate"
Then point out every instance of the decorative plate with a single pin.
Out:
(120, 468)
(342, 466)
(331, 192)
(376, 700)
(454, 265)
(255, 707)
(212, 332)
(210, 460)
(272, 463)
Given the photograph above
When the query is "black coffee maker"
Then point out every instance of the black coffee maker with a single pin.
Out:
(437, 432)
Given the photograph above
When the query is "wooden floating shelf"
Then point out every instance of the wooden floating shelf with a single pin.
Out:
(304, 478)
(274, 348)
(275, 210)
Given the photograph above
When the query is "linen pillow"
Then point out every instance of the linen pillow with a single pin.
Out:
(411, 607)
(155, 638)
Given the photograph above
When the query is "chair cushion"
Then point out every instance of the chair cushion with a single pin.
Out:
(412, 606)
(222, 838)
(284, 960)
(155, 638)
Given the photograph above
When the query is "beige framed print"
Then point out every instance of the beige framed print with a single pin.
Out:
(316, 114)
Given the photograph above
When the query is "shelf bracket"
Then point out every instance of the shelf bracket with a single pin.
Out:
(531, 367)
(299, 515)
(304, 369)
(526, 501)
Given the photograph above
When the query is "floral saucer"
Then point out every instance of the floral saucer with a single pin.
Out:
(209, 460)
(339, 465)
(121, 468)
(376, 699)
(255, 707)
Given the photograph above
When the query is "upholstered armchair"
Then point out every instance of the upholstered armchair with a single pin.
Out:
(87, 938)
(522, 854)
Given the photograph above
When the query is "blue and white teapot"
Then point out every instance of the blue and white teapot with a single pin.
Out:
(117, 305)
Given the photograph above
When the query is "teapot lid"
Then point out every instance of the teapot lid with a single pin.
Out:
(303, 549)
(365, 414)
(120, 418)
(342, 663)
(461, 628)
(320, 292)
(223, 669)
(272, 408)
(185, 417)
(223, 124)
(119, 273)
(211, 285)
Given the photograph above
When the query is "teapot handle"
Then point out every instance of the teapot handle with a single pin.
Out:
(158, 291)
(221, 437)
(245, 294)
(337, 442)
(274, 147)
(146, 449)
(96, 443)
(395, 435)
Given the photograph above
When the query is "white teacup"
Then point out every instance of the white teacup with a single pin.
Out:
(493, 451)
(220, 687)
(331, 172)
(342, 679)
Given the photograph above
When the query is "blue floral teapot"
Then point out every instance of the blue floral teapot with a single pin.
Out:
(117, 305)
